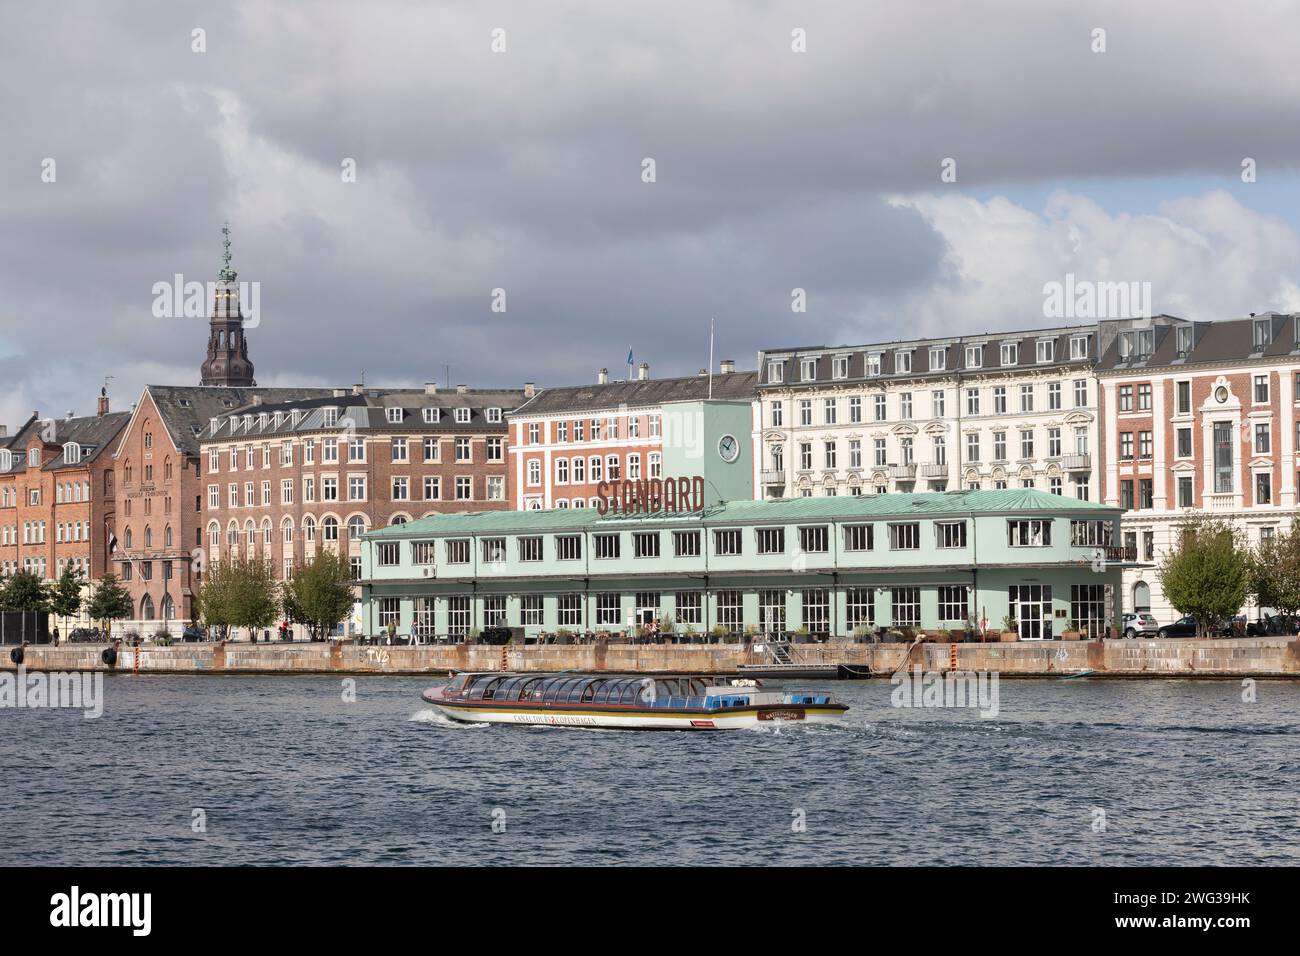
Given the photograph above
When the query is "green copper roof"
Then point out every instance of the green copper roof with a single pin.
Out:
(838, 508)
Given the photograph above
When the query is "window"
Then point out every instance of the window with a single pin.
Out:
(645, 544)
(1054, 396)
(816, 610)
(458, 615)
(462, 416)
(463, 450)
(855, 410)
(905, 536)
(828, 449)
(973, 447)
(530, 610)
(568, 547)
(999, 446)
(430, 447)
(1078, 347)
(686, 544)
(1090, 533)
(1185, 497)
(569, 607)
(972, 401)
(937, 404)
(950, 534)
(1053, 443)
(1261, 389)
(1000, 400)
(1126, 494)
(829, 410)
(1222, 457)
(902, 362)
(873, 363)
(690, 608)
(464, 488)
(1263, 488)
(458, 551)
(859, 608)
(609, 610)
(1145, 497)
(771, 540)
(1126, 446)
(726, 542)
(605, 546)
(953, 603)
(974, 356)
(1029, 533)
(1026, 443)
(1183, 398)
(776, 371)
(401, 488)
(399, 449)
(1263, 334)
(1026, 398)
(387, 554)
(778, 414)
(493, 550)
(731, 610)
(1088, 608)
(1184, 443)
(1145, 444)
(878, 408)
(1080, 392)
(807, 370)
(938, 358)
(1144, 397)
(858, 537)
(905, 405)
(814, 540)
(1010, 353)
(1126, 398)
(1261, 438)
(805, 411)
(432, 416)
(906, 607)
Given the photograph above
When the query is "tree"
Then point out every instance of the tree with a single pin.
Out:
(24, 591)
(65, 596)
(239, 592)
(319, 594)
(1206, 573)
(1275, 572)
(109, 601)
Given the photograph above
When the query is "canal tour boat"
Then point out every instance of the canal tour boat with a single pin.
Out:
(621, 701)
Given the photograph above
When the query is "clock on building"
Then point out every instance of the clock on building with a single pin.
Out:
(729, 448)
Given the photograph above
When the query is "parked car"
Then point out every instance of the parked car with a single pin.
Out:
(1142, 623)
(1186, 627)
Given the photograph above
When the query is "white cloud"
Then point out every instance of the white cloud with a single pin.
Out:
(1206, 257)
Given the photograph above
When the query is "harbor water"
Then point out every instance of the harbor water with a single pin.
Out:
(292, 771)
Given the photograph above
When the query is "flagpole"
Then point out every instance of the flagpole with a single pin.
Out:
(710, 357)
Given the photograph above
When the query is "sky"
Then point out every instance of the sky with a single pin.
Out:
(504, 146)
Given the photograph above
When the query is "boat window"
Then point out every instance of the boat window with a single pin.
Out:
(509, 689)
(490, 688)
(570, 689)
(631, 690)
(577, 691)
(529, 688)
(589, 694)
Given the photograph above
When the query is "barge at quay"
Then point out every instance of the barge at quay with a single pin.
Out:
(622, 701)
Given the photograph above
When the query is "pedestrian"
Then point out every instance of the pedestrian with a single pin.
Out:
(54, 635)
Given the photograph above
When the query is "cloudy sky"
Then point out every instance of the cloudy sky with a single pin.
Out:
(522, 170)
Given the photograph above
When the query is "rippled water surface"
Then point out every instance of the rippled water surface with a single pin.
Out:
(288, 773)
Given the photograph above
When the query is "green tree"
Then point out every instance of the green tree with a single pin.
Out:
(1275, 572)
(109, 601)
(24, 591)
(65, 596)
(319, 594)
(238, 592)
(1207, 572)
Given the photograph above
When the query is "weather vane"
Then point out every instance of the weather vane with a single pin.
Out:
(226, 273)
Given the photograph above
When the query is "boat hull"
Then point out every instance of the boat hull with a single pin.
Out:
(641, 719)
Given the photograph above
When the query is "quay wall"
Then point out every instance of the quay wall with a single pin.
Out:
(1277, 657)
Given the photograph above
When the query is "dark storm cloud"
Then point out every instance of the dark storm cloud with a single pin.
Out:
(522, 170)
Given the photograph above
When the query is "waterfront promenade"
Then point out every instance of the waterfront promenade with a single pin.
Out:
(1263, 657)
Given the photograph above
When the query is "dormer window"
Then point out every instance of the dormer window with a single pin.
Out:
(431, 416)
(494, 415)
(840, 366)
(71, 453)
(902, 361)
(873, 363)
(234, 424)
(1046, 350)
(214, 424)
(33, 458)
(248, 422)
(330, 417)
(277, 420)
(1146, 343)
(807, 370)
(462, 416)
(6, 459)
(296, 416)
(1263, 334)
(1183, 340)
(1078, 347)
(262, 419)
(393, 414)
(1010, 353)
(938, 359)
(974, 356)
(775, 372)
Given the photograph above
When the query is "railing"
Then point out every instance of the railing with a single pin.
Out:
(1119, 553)
(1077, 462)
(902, 471)
(1220, 502)
(773, 477)
(934, 471)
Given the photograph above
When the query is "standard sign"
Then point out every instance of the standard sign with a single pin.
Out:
(655, 496)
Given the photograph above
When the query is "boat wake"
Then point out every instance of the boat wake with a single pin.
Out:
(443, 722)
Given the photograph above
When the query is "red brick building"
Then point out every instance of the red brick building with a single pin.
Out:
(57, 494)
(283, 481)
(1198, 417)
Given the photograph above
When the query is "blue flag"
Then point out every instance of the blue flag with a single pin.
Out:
(629, 356)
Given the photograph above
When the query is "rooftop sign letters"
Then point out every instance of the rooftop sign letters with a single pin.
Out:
(655, 496)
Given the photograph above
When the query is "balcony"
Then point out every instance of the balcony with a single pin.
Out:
(1077, 462)
(934, 471)
(773, 477)
(1120, 553)
(902, 472)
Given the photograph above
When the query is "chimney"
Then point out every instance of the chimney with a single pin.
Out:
(643, 371)
(530, 389)
(257, 399)
(358, 388)
(602, 376)
(340, 392)
(727, 366)
(101, 408)
(430, 388)
(462, 389)
(702, 372)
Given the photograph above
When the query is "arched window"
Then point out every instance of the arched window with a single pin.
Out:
(398, 519)
(330, 528)
(168, 608)
(250, 533)
(146, 608)
(1141, 596)
(127, 539)
(286, 530)
(309, 528)
(232, 534)
(214, 534)
(356, 527)
(268, 532)
(148, 537)
(167, 537)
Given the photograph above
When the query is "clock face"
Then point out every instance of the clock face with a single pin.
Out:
(729, 448)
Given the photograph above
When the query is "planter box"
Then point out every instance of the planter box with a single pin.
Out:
(1071, 636)
(1009, 637)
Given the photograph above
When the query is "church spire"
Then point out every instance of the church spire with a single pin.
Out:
(227, 361)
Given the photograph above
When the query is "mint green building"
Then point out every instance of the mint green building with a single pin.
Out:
(833, 566)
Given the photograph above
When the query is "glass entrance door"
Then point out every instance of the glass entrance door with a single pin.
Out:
(1031, 606)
